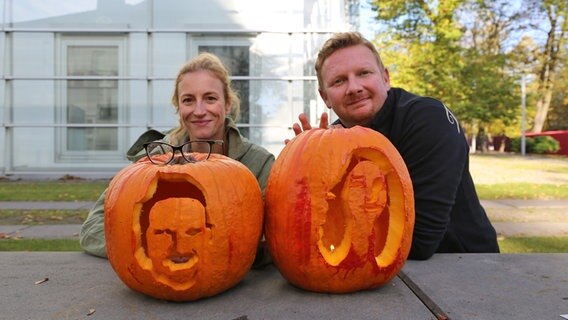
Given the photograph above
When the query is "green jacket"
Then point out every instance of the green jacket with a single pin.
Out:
(257, 159)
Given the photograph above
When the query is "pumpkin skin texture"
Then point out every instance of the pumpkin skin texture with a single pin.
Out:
(183, 232)
(339, 210)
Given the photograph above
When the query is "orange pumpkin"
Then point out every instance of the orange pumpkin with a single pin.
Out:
(339, 210)
(183, 232)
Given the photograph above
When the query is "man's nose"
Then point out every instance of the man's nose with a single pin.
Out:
(353, 85)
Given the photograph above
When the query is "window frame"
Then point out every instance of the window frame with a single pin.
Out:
(62, 154)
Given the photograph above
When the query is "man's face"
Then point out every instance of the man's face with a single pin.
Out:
(177, 234)
(354, 85)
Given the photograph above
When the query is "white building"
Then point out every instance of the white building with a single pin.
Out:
(80, 80)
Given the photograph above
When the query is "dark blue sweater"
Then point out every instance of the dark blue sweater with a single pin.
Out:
(449, 216)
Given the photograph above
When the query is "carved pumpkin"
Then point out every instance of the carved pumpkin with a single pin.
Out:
(339, 210)
(183, 232)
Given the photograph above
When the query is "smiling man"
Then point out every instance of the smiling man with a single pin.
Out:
(355, 84)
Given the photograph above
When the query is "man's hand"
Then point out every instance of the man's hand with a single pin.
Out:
(305, 124)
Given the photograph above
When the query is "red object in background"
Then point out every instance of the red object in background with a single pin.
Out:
(560, 135)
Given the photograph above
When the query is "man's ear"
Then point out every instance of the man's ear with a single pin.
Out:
(386, 77)
(323, 95)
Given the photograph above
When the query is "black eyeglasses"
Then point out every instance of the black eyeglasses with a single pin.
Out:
(162, 153)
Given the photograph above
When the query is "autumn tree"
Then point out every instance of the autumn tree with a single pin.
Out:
(451, 50)
(555, 15)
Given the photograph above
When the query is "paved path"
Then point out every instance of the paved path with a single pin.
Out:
(46, 205)
(533, 228)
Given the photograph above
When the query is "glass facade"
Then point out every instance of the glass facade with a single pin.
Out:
(82, 79)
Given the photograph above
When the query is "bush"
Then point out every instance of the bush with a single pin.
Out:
(537, 144)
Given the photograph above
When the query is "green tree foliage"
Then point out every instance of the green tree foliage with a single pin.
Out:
(538, 145)
(427, 36)
(468, 53)
(433, 51)
(555, 13)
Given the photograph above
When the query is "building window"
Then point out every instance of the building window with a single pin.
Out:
(90, 95)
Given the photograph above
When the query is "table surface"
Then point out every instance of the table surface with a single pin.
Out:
(472, 286)
(494, 286)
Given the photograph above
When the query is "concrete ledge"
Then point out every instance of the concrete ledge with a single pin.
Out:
(535, 229)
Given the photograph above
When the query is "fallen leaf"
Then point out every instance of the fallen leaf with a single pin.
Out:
(42, 281)
(91, 311)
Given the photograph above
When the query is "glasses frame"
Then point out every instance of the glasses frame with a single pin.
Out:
(180, 149)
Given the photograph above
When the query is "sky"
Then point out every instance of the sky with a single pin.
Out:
(367, 25)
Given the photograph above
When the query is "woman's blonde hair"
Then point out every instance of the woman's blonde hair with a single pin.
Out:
(208, 62)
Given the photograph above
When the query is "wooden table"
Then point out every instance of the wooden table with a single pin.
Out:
(493, 286)
(459, 286)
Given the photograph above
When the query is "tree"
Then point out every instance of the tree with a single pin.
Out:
(434, 50)
(555, 12)
(557, 118)
(421, 46)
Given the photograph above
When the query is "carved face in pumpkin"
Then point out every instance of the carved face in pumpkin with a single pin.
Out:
(339, 210)
(176, 234)
(183, 232)
(354, 207)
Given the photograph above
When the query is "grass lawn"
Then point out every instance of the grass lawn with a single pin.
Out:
(523, 191)
(39, 245)
(534, 245)
(82, 190)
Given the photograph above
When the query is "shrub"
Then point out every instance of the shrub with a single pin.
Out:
(537, 144)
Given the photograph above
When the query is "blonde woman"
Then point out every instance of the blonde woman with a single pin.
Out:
(208, 108)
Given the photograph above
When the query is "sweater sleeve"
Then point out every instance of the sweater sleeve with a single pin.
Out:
(259, 161)
(435, 151)
(92, 235)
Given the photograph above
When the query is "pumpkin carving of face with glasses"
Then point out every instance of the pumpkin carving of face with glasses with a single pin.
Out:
(186, 231)
(339, 210)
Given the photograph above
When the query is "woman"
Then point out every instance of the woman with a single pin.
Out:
(208, 108)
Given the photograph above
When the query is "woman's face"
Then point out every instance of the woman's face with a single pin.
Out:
(202, 105)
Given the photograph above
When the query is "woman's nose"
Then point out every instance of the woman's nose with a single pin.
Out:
(199, 107)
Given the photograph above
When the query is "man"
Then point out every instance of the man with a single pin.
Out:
(355, 84)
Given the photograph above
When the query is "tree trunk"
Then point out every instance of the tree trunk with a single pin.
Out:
(542, 106)
(558, 20)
